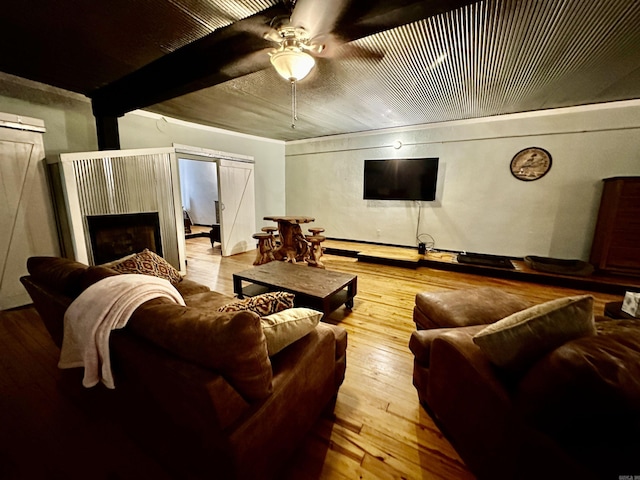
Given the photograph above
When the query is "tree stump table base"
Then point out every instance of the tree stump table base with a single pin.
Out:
(293, 245)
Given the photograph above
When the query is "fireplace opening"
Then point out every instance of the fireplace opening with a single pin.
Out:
(115, 236)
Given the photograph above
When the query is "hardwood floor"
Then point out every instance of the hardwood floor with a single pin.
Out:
(378, 431)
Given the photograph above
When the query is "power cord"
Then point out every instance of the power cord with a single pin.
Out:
(423, 238)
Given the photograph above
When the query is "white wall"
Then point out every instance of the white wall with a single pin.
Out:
(142, 129)
(67, 116)
(480, 206)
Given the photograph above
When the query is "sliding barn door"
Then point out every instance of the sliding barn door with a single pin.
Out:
(237, 205)
(27, 219)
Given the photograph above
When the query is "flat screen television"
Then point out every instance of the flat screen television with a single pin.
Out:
(401, 179)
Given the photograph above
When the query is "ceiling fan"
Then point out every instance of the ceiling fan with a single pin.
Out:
(306, 33)
(309, 22)
(292, 58)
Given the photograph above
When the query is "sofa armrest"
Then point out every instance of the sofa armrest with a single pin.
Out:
(420, 345)
(188, 394)
(470, 406)
(181, 412)
(58, 274)
(422, 340)
(231, 344)
(304, 384)
(50, 305)
(340, 335)
(210, 423)
(474, 409)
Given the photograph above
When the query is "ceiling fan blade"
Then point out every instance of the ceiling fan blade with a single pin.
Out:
(362, 18)
(262, 26)
(350, 51)
(355, 19)
(336, 48)
(318, 17)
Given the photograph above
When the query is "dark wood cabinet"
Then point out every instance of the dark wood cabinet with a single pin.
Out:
(616, 243)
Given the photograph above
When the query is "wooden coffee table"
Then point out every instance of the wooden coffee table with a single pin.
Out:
(313, 287)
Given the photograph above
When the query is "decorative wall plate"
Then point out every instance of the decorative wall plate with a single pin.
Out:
(531, 164)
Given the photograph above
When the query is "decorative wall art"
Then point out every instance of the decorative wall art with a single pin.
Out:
(531, 164)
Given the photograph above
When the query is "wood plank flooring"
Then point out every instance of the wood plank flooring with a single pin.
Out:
(378, 430)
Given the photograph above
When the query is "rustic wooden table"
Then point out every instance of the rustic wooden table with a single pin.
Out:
(293, 245)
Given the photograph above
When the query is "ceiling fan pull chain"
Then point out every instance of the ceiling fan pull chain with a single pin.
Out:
(294, 106)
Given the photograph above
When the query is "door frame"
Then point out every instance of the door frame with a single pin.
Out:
(218, 157)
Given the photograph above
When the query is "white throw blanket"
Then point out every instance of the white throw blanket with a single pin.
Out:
(104, 306)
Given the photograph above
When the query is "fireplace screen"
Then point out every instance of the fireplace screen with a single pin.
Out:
(115, 236)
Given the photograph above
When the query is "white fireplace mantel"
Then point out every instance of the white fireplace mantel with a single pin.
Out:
(118, 182)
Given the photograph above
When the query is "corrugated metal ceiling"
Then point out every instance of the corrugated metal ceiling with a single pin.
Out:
(488, 58)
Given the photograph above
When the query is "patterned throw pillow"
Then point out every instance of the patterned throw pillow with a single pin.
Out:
(264, 304)
(148, 263)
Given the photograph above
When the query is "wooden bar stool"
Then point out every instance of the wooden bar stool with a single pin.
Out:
(316, 230)
(271, 231)
(316, 250)
(265, 249)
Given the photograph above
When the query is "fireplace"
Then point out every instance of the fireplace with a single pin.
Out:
(117, 235)
(136, 187)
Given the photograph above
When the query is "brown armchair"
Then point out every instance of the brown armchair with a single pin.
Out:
(570, 414)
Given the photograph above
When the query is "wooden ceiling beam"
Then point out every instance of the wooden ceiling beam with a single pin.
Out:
(206, 62)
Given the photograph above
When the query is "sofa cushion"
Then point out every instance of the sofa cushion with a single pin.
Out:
(263, 304)
(189, 287)
(587, 386)
(283, 328)
(521, 338)
(147, 263)
(208, 300)
(231, 344)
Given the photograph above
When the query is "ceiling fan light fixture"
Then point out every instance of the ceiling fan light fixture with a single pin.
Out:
(292, 64)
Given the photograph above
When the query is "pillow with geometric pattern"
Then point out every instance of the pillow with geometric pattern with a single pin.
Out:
(147, 263)
(263, 304)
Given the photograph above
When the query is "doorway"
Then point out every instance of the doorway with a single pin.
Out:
(200, 203)
(217, 190)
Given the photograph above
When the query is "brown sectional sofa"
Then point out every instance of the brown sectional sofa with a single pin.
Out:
(195, 386)
(574, 413)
